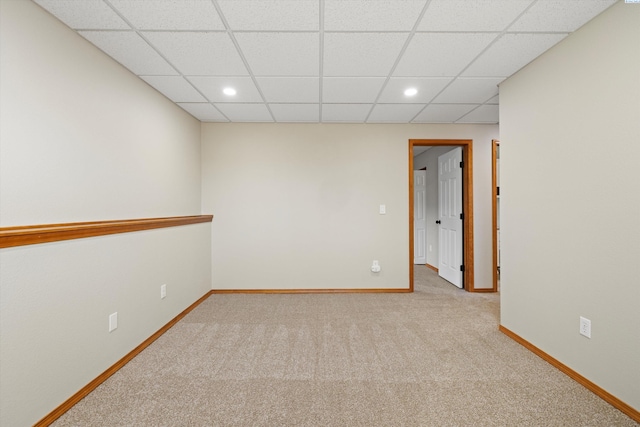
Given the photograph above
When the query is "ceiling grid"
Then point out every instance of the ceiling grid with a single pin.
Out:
(310, 61)
(395, 65)
(320, 56)
(244, 60)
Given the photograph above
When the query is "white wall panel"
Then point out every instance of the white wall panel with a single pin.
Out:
(55, 300)
(570, 201)
(299, 202)
(83, 139)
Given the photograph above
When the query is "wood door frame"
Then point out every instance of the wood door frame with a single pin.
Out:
(494, 209)
(467, 205)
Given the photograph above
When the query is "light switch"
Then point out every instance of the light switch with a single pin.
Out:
(383, 209)
(113, 321)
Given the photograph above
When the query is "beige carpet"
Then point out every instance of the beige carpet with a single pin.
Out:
(431, 358)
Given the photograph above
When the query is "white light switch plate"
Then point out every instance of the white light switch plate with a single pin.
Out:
(383, 209)
(113, 321)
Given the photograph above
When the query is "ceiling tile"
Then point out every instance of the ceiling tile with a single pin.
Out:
(296, 112)
(85, 14)
(465, 15)
(427, 89)
(469, 90)
(199, 53)
(170, 14)
(274, 15)
(361, 54)
(441, 54)
(394, 113)
(129, 49)
(176, 88)
(290, 89)
(246, 112)
(351, 89)
(510, 53)
(203, 112)
(371, 15)
(190, 49)
(482, 114)
(560, 15)
(212, 88)
(281, 54)
(443, 113)
(350, 113)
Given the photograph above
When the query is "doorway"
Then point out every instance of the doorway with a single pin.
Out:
(467, 204)
(420, 217)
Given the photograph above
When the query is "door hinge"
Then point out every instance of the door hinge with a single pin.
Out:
(461, 164)
(462, 268)
(461, 215)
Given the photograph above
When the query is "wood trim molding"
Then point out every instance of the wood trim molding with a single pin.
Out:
(411, 242)
(494, 210)
(311, 291)
(597, 390)
(35, 234)
(84, 391)
(467, 203)
(485, 290)
(432, 267)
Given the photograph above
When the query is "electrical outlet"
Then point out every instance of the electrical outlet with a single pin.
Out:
(585, 327)
(113, 321)
(163, 291)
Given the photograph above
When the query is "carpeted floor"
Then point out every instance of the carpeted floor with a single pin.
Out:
(431, 358)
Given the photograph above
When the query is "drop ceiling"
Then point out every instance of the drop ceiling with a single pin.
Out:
(327, 60)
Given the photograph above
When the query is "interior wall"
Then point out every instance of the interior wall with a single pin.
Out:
(55, 302)
(570, 207)
(429, 159)
(82, 139)
(296, 205)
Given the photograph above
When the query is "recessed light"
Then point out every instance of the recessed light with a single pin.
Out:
(410, 92)
(229, 91)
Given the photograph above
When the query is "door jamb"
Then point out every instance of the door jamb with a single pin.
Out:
(494, 209)
(467, 204)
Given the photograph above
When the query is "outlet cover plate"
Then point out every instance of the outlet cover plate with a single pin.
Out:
(585, 327)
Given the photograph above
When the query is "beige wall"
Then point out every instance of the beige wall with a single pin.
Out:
(570, 201)
(55, 300)
(296, 205)
(82, 139)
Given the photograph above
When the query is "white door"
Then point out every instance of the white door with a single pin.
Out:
(419, 217)
(449, 216)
